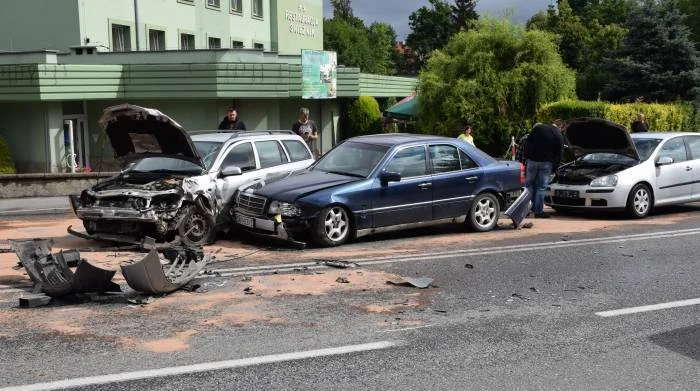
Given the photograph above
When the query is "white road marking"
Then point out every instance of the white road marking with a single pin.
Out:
(203, 367)
(12, 290)
(647, 308)
(251, 270)
(405, 329)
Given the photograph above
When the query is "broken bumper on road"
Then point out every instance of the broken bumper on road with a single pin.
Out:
(150, 276)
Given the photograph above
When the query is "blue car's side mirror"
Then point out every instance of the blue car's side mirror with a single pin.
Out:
(387, 176)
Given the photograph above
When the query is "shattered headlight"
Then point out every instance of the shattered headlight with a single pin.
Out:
(605, 181)
(284, 209)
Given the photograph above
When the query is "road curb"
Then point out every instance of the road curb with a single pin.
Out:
(35, 212)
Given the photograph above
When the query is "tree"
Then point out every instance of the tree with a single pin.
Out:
(464, 14)
(383, 39)
(496, 76)
(431, 28)
(691, 8)
(342, 10)
(658, 61)
(364, 116)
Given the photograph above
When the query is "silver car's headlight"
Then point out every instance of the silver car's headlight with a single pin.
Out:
(284, 209)
(605, 181)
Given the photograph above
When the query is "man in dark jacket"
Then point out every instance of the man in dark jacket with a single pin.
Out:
(543, 149)
(231, 121)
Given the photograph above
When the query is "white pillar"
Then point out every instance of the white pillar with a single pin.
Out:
(71, 152)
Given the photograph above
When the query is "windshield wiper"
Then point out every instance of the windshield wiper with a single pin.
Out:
(346, 174)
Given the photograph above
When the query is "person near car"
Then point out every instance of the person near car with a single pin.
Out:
(639, 125)
(466, 134)
(306, 128)
(543, 150)
(231, 121)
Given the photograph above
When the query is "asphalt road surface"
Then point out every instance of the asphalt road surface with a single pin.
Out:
(616, 306)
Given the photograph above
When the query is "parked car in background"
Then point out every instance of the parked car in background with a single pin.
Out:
(177, 184)
(377, 183)
(617, 171)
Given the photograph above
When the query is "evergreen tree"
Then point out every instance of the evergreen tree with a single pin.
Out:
(658, 61)
(431, 29)
(464, 13)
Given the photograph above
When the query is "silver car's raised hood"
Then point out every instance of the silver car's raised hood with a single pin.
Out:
(136, 132)
(589, 135)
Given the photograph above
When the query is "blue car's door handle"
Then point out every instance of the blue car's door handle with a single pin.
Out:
(425, 185)
(471, 178)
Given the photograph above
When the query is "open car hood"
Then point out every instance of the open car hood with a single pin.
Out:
(137, 132)
(589, 135)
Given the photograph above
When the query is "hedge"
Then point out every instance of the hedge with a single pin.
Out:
(364, 116)
(682, 116)
(7, 166)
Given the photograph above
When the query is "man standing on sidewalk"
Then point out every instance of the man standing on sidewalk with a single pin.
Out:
(543, 149)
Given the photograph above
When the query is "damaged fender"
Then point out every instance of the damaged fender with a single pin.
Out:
(149, 276)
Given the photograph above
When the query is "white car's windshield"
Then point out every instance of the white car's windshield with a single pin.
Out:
(165, 165)
(352, 158)
(208, 150)
(645, 146)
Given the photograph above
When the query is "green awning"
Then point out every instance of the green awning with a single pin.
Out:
(406, 109)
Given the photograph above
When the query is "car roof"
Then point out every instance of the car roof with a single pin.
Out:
(390, 139)
(661, 135)
(223, 136)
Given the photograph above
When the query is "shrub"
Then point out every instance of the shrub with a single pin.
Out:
(682, 116)
(364, 116)
(7, 166)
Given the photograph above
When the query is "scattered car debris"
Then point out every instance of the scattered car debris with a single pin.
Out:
(469, 266)
(141, 300)
(247, 278)
(418, 282)
(528, 225)
(248, 290)
(34, 300)
(519, 296)
(342, 280)
(440, 311)
(534, 289)
(149, 276)
(52, 275)
(340, 264)
(518, 210)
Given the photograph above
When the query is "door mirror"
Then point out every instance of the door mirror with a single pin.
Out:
(388, 176)
(230, 171)
(664, 160)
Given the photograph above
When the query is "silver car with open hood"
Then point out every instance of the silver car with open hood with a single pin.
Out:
(615, 170)
(177, 185)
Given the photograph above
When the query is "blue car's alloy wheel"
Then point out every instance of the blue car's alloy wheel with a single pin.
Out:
(483, 215)
(332, 226)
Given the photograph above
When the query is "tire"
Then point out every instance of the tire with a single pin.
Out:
(640, 201)
(484, 213)
(195, 228)
(332, 227)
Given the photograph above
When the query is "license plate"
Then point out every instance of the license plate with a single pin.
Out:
(245, 221)
(566, 193)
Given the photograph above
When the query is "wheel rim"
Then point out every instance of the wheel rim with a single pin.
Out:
(336, 224)
(195, 227)
(484, 212)
(641, 201)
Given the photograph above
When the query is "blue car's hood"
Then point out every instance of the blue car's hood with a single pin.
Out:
(291, 188)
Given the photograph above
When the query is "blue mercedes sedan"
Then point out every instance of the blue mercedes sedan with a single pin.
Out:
(378, 183)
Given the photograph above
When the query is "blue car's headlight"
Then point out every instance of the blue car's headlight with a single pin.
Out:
(284, 209)
(605, 181)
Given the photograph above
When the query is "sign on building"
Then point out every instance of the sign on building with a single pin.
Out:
(319, 74)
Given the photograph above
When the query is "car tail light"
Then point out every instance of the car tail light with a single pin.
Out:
(522, 174)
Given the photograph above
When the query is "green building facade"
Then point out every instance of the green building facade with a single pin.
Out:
(244, 53)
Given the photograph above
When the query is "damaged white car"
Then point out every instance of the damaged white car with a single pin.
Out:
(177, 186)
(614, 170)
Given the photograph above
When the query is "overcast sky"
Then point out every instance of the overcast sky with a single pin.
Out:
(396, 12)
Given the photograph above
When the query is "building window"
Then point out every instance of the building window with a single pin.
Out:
(121, 38)
(214, 43)
(237, 6)
(258, 8)
(186, 42)
(258, 45)
(214, 3)
(156, 40)
(237, 44)
(190, 2)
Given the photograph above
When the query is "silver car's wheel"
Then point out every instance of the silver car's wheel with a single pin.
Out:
(332, 226)
(484, 212)
(639, 201)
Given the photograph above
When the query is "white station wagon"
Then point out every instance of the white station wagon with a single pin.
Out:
(615, 170)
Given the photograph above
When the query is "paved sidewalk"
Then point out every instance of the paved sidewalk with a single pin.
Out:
(34, 206)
